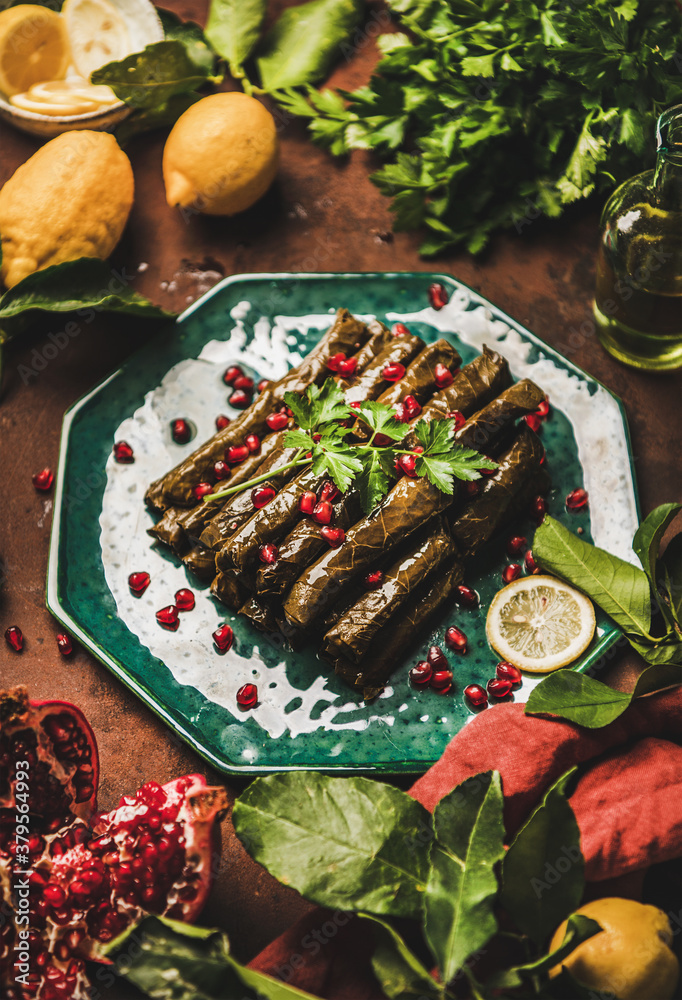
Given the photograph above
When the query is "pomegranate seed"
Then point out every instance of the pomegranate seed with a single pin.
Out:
(456, 639)
(533, 421)
(247, 696)
(476, 695)
(240, 399)
(221, 470)
(421, 673)
(467, 597)
(529, 562)
(323, 512)
(236, 454)
(202, 490)
(406, 465)
(458, 417)
(382, 440)
(223, 637)
(400, 330)
(393, 372)
(412, 406)
(442, 376)
(437, 658)
(244, 382)
(64, 644)
(511, 572)
(498, 687)
(347, 367)
(262, 495)
(268, 553)
(181, 431)
(43, 480)
(252, 442)
(335, 360)
(123, 453)
(222, 421)
(508, 672)
(401, 413)
(263, 384)
(373, 580)
(438, 297)
(356, 405)
(184, 599)
(538, 509)
(277, 421)
(329, 493)
(576, 499)
(441, 680)
(307, 502)
(168, 617)
(333, 536)
(517, 545)
(54, 895)
(232, 373)
(543, 409)
(15, 638)
(138, 582)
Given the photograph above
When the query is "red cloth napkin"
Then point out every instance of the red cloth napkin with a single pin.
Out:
(628, 803)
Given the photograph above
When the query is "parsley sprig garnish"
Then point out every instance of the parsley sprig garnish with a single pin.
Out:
(325, 423)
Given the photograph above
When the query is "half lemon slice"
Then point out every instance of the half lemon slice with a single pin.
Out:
(33, 47)
(540, 624)
(97, 32)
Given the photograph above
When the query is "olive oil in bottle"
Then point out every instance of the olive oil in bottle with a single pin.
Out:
(638, 299)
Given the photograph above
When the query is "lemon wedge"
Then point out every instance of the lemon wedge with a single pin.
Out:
(97, 32)
(33, 46)
(539, 624)
(73, 96)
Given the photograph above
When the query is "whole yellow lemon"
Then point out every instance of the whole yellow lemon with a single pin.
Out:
(630, 958)
(70, 199)
(221, 155)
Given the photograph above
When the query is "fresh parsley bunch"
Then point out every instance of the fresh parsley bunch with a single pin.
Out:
(489, 113)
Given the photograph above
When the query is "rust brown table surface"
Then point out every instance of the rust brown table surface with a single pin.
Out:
(321, 215)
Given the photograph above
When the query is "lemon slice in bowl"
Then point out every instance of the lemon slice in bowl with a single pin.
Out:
(97, 32)
(540, 624)
(33, 46)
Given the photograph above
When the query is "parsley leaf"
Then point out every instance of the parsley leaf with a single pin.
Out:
(338, 460)
(318, 405)
(298, 439)
(381, 419)
(376, 478)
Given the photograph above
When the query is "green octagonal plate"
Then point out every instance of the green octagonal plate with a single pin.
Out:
(306, 718)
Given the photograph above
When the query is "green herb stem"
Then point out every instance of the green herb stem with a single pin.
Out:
(230, 491)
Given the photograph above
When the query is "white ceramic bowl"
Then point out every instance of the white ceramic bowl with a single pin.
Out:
(144, 28)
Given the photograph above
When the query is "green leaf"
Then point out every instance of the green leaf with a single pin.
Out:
(667, 652)
(151, 77)
(578, 929)
(374, 481)
(462, 885)
(329, 403)
(437, 471)
(233, 28)
(478, 65)
(399, 972)
(620, 589)
(192, 37)
(349, 843)
(671, 564)
(305, 40)
(435, 436)
(101, 288)
(543, 870)
(169, 960)
(588, 702)
(298, 439)
(381, 420)
(336, 459)
(648, 536)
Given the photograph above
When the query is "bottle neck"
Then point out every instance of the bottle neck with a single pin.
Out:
(668, 172)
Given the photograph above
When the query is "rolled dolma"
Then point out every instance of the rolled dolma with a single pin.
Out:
(236, 510)
(482, 516)
(474, 385)
(500, 415)
(380, 337)
(432, 551)
(301, 547)
(201, 562)
(230, 590)
(419, 379)
(271, 522)
(370, 383)
(346, 335)
(411, 620)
